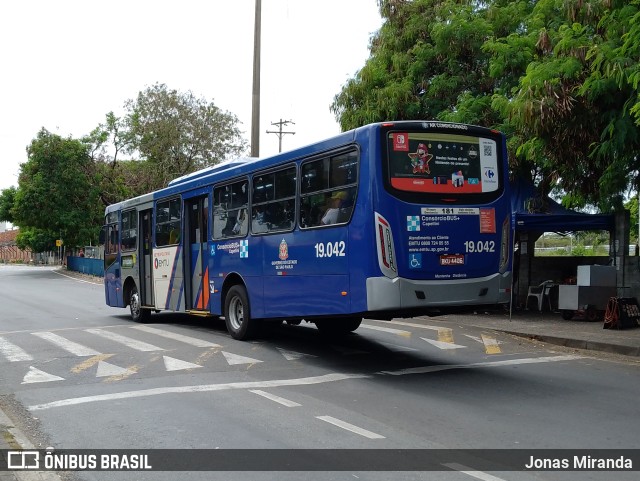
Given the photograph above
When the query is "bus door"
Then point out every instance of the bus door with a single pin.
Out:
(112, 280)
(146, 269)
(196, 266)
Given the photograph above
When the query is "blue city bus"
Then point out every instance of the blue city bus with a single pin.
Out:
(388, 220)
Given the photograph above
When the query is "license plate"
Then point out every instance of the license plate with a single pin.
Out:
(452, 260)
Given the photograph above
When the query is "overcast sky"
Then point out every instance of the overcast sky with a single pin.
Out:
(67, 63)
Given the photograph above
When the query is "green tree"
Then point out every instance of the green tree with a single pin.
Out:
(178, 133)
(560, 77)
(57, 193)
(7, 200)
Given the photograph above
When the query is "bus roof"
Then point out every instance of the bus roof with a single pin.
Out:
(244, 165)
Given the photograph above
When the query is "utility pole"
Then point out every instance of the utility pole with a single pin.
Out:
(280, 132)
(255, 99)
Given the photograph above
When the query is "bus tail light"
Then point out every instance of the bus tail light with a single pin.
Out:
(505, 244)
(386, 251)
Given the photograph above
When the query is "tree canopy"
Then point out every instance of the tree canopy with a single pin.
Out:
(57, 194)
(560, 77)
(66, 183)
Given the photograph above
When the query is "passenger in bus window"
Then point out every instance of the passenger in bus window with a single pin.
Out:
(335, 202)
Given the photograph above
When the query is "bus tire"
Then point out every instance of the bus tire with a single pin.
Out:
(138, 314)
(237, 315)
(338, 326)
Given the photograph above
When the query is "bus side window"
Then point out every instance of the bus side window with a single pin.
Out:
(329, 189)
(168, 225)
(230, 203)
(273, 201)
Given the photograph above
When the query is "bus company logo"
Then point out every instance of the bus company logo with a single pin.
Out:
(244, 249)
(413, 223)
(159, 263)
(283, 251)
(401, 142)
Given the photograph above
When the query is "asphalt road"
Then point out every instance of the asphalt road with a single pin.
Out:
(75, 374)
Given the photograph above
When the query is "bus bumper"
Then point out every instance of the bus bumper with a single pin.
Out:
(384, 294)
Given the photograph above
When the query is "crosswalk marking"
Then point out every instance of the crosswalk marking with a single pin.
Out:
(193, 341)
(69, 346)
(172, 364)
(233, 359)
(127, 341)
(12, 352)
(106, 369)
(398, 332)
(443, 345)
(293, 355)
(36, 375)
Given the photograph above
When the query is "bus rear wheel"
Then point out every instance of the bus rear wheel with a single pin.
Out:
(237, 315)
(338, 326)
(138, 314)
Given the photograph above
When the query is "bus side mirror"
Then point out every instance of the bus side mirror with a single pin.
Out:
(103, 235)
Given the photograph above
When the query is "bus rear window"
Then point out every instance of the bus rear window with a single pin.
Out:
(439, 163)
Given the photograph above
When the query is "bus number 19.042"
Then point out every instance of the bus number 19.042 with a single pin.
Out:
(330, 249)
(480, 246)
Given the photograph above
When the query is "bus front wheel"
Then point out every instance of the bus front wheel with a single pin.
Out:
(138, 314)
(237, 316)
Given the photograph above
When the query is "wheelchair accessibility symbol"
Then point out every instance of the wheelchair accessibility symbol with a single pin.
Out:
(415, 261)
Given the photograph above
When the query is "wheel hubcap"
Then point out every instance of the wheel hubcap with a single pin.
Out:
(236, 313)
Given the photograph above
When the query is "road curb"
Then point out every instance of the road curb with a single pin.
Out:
(13, 438)
(584, 344)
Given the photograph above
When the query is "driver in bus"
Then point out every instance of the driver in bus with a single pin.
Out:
(335, 202)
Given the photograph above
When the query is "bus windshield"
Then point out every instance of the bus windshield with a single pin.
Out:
(442, 163)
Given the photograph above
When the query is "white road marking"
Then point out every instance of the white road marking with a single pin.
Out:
(77, 280)
(273, 397)
(472, 472)
(350, 427)
(127, 341)
(443, 345)
(410, 324)
(293, 355)
(233, 359)
(510, 362)
(305, 381)
(12, 352)
(107, 370)
(479, 339)
(490, 345)
(172, 364)
(193, 341)
(398, 332)
(36, 375)
(69, 346)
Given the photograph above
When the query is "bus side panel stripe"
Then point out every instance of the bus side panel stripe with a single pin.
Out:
(205, 288)
(173, 278)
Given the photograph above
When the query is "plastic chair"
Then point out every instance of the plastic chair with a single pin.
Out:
(539, 292)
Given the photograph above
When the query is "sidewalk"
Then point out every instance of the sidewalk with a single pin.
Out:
(549, 327)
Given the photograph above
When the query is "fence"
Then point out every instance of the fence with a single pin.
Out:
(94, 267)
